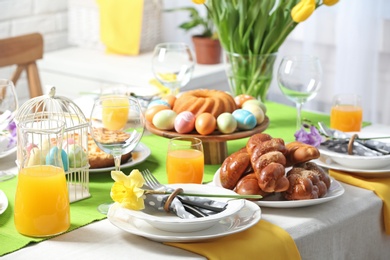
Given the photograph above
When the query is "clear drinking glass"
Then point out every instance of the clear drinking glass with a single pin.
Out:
(299, 79)
(185, 160)
(117, 125)
(173, 64)
(346, 113)
(41, 198)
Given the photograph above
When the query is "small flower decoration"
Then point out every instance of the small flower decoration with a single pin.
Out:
(13, 134)
(9, 134)
(313, 137)
(127, 190)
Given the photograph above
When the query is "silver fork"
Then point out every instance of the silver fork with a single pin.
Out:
(153, 183)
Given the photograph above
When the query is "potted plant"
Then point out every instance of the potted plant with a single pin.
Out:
(206, 44)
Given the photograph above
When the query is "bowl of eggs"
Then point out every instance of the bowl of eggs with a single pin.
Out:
(247, 119)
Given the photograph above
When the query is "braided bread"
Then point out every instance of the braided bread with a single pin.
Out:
(307, 181)
(259, 168)
(268, 160)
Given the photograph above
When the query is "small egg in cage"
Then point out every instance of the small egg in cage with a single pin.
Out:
(74, 141)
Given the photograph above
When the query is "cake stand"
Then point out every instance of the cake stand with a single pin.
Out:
(215, 144)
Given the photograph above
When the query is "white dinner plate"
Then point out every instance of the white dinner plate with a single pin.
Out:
(328, 163)
(276, 201)
(140, 154)
(8, 152)
(248, 216)
(3, 202)
(356, 161)
(171, 223)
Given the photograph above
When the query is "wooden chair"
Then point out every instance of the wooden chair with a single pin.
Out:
(23, 51)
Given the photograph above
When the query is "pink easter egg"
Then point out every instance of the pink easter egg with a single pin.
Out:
(184, 122)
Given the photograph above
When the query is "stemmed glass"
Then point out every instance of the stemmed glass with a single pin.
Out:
(299, 79)
(173, 64)
(117, 125)
(8, 107)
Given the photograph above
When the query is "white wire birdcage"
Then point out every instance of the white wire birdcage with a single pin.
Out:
(75, 137)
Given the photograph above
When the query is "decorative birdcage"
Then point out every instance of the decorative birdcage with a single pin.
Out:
(74, 141)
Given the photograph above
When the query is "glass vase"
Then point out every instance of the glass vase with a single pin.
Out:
(250, 73)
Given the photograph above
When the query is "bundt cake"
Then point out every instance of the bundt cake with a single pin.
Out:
(200, 101)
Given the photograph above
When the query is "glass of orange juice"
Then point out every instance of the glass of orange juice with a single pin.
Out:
(41, 199)
(346, 113)
(185, 160)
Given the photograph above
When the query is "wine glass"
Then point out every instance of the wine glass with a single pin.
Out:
(8, 107)
(299, 79)
(117, 125)
(173, 64)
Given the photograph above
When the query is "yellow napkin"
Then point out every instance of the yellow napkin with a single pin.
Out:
(381, 187)
(262, 241)
(121, 25)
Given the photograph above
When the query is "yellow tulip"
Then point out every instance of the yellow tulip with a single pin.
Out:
(127, 190)
(199, 2)
(303, 10)
(330, 2)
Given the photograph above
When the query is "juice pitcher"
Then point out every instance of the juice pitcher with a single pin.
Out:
(41, 199)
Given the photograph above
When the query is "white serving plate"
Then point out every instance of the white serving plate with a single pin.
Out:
(142, 152)
(357, 162)
(248, 216)
(277, 201)
(171, 223)
(3, 202)
(328, 163)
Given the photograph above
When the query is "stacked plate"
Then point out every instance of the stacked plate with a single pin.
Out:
(160, 226)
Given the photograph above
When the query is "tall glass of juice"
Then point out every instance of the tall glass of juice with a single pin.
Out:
(41, 199)
(185, 160)
(346, 113)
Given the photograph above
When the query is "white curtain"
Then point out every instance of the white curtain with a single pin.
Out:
(352, 39)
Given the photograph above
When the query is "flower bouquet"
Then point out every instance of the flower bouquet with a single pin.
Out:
(251, 33)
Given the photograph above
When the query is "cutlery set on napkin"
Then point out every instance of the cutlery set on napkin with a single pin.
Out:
(339, 142)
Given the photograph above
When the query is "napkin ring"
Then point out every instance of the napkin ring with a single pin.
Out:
(350, 144)
(171, 197)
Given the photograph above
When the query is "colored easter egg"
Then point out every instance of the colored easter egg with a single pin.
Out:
(257, 103)
(164, 119)
(205, 123)
(34, 157)
(256, 111)
(151, 111)
(240, 99)
(77, 156)
(158, 102)
(226, 123)
(184, 122)
(170, 99)
(245, 119)
(53, 158)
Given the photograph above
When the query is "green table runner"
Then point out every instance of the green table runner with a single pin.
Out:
(282, 124)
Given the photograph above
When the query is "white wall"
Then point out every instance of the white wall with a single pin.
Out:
(48, 17)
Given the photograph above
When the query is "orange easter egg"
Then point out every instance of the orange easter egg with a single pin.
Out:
(240, 99)
(170, 99)
(205, 123)
(151, 111)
